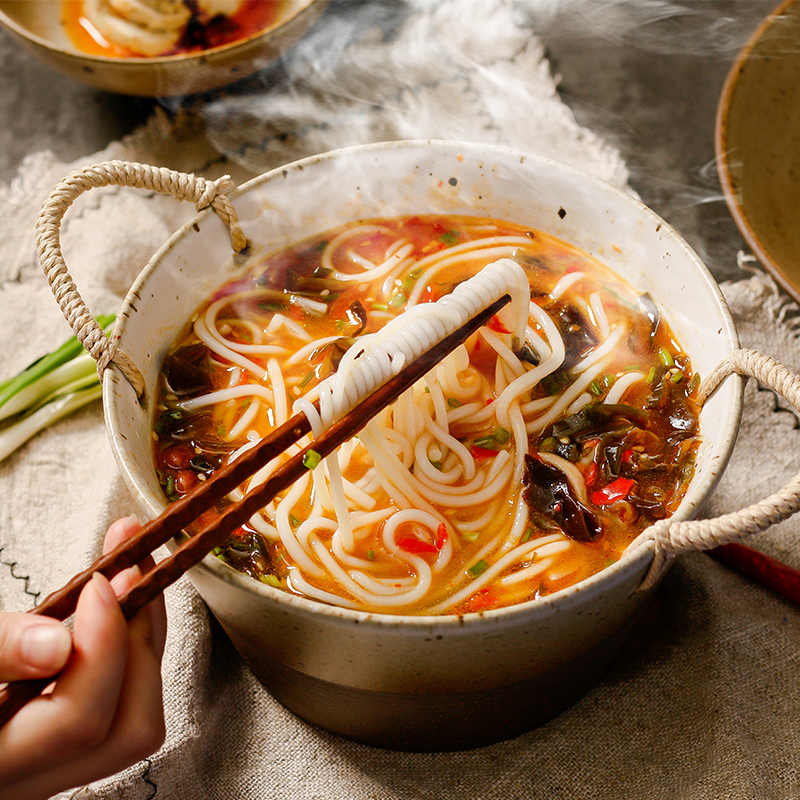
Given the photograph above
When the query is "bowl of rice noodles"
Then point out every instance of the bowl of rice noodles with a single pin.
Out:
(465, 567)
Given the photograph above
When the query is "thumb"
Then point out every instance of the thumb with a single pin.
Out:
(32, 646)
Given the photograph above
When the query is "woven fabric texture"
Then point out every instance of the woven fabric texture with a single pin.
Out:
(701, 702)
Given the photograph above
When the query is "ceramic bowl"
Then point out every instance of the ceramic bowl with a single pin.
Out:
(38, 24)
(758, 143)
(435, 682)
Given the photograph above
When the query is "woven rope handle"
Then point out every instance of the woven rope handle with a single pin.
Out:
(201, 191)
(672, 538)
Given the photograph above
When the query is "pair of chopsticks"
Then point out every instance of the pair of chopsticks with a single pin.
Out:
(61, 603)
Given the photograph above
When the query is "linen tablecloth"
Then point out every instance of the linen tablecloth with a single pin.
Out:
(701, 702)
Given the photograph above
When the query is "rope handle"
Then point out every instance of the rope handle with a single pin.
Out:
(184, 186)
(672, 538)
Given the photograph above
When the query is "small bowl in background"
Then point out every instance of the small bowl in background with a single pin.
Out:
(38, 24)
(758, 144)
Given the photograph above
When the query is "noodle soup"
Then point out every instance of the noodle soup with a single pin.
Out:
(512, 470)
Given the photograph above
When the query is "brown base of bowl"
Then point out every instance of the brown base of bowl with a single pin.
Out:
(436, 722)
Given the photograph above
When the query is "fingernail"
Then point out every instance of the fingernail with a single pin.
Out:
(104, 590)
(45, 646)
(132, 519)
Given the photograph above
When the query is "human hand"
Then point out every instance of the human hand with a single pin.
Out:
(105, 710)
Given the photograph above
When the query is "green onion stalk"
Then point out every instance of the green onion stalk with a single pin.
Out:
(49, 389)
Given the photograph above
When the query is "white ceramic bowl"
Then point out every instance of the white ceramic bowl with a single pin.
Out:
(408, 681)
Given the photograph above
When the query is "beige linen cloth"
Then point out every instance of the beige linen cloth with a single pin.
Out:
(703, 700)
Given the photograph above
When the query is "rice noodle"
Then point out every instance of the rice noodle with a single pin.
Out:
(412, 478)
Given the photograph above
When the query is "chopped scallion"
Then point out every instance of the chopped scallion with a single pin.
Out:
(380, 307)
(666, 357)
(478, 567)
(594, 388)
(371, 555)
(651, 375)
(470, 536)
(398, 299)
(527, 535)
(311, 459)
(309, 376)
(501, 435)
(293, 521)
(453, 403)
(676, 377)
(271, 580)
(548, 444)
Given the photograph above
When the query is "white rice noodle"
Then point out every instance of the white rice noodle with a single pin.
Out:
(587, 370)
(217, 346)
(600, 314)
(582, 401)
(495, 247)
(371, 272)
(231, 393)
(529, 380)
(622, 384)
(305, 352)
(243, 422)
(573, 474)
(282, 321)
(565, 283)
(503, 563)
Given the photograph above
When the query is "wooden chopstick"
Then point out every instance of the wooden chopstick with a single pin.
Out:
(61, 603)
(761, 568)
(196, 547)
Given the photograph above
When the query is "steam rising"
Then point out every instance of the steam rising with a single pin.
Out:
(642, 76)
(456, 69)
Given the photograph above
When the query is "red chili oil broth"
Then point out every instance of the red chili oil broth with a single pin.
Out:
(657, 460)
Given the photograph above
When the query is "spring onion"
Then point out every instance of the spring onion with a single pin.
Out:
(666, 357)
(477, 568)
(311, 459)
(501, 435)
(271, 580)
(51, 388)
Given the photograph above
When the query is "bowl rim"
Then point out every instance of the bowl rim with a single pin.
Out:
(632, 561)
(132, 62)
(721, 147)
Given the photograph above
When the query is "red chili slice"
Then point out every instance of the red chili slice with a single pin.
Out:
(627, 456)
(496, 325)
(482, 600)
(482, 452)
(413, 545)
(618, 489)
(591, 475)
(441, 536)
